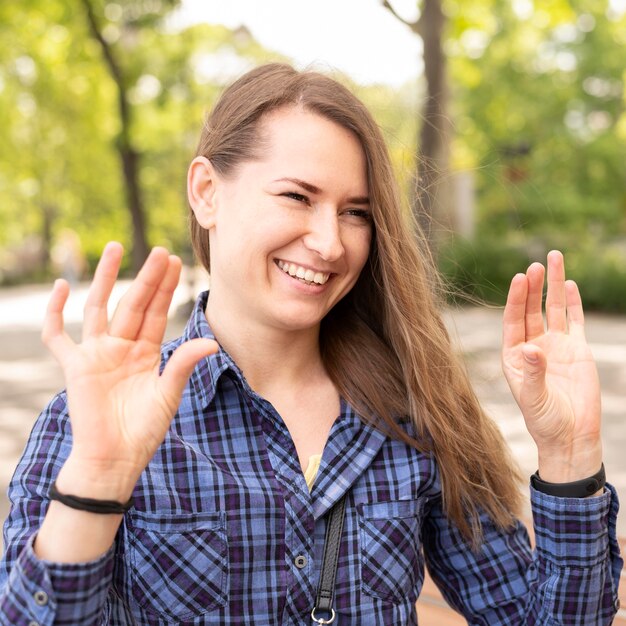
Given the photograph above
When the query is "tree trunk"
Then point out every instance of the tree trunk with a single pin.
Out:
(130, 166)
(431, 197)
(433, 153)
(129, 157)
(48, 215)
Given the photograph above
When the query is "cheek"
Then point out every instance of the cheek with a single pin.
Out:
(360, 248)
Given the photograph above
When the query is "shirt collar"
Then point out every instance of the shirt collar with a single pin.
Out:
(350, 449)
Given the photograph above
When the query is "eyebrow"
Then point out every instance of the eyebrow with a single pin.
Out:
(316, 190)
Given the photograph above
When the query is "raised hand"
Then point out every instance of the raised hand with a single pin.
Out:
(551, 372)
(120, 407)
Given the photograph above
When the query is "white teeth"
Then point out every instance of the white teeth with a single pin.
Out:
(297, 271)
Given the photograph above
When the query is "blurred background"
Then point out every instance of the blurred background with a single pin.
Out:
(505, 119)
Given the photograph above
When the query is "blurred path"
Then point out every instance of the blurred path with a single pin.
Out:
(29, 376)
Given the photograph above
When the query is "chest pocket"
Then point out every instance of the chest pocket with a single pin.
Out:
(180, 563)
(391, 562)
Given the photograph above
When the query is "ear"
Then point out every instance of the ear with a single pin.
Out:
(201, 183)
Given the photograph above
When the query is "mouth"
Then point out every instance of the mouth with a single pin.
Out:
(303, 274)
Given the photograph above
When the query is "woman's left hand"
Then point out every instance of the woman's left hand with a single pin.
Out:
(552, 373)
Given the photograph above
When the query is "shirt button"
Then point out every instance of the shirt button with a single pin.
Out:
(41, 598)
(300, 561)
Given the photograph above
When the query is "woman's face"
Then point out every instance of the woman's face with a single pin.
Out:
(292, 230)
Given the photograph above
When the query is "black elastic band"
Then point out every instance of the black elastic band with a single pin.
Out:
(576, 489)
(91, 505)
(326, 590)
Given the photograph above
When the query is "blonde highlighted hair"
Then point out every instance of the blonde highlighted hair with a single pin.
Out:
(384, 345)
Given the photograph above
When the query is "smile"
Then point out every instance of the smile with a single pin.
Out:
(305, 275)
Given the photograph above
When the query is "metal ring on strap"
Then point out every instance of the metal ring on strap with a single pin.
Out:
(321, 620)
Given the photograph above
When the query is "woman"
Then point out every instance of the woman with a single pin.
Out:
(196, 482)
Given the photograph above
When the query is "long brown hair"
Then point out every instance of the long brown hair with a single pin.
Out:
(384, 345)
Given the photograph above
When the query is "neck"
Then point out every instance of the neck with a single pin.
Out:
(268, 357)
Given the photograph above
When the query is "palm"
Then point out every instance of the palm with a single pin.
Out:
(121, 378)
(570, 399)
(561, 403)
(120, 406)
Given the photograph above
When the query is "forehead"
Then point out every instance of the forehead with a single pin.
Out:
(297, 138)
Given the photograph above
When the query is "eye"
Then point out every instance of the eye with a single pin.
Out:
(298, 197)
(361, 213)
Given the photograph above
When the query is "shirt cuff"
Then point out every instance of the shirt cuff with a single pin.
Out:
(574, 532)
(62, 593)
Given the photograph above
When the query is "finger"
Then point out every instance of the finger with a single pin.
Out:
(155, 318)
(95, 316)
(129, 314)
(53, 332)
(181, 365)
(533, 392)
(575, 313)
(534, 310)
(513, 320)
(556, 312)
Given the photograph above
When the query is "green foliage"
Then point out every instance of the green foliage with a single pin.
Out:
(56, 158)
(539, 111)
(481, 270)
(58, 165)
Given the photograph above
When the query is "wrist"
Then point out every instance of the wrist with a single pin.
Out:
(566, 465)
(87, 480)
(70, 536)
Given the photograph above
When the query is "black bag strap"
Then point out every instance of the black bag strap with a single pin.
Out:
(326, 591)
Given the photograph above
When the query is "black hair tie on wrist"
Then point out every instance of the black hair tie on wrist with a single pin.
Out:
(576, 489)
(91, 505)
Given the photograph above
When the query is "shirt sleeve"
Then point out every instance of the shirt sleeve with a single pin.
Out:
(34, 591)
(571, 577)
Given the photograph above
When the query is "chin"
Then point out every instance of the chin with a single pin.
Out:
(294, 322)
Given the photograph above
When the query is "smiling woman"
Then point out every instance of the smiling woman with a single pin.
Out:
(259, 214)
(311, 441)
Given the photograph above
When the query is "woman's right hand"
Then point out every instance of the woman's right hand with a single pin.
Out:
(120, 408)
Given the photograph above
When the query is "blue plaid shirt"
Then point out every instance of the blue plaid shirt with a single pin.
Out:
(225, 531)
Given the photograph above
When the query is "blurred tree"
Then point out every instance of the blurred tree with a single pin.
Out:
(431, 197)
(59, 157)
(52, 118)
(539, 103)
(130, 18)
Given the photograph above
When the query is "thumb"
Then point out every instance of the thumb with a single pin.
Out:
(534, 371)
(181, 364)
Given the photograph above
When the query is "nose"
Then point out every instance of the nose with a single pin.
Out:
(324, 235)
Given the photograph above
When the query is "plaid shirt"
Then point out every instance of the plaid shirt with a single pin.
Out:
(225, 531)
